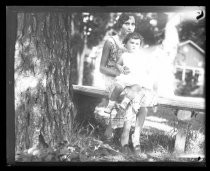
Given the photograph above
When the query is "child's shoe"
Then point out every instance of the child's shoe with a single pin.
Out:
(126, 150)
(120, 113)
(125, 103)
(137, 150)
(110, 107)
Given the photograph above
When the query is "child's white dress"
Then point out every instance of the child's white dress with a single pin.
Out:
(138, 65)
(140, 68)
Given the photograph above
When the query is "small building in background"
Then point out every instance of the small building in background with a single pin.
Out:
(190, 63)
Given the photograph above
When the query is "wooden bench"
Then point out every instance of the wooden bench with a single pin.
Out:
(185, 107)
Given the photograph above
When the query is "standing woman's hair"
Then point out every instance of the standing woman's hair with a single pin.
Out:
(122, 19)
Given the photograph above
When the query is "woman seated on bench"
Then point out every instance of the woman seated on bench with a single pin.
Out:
(112, 50)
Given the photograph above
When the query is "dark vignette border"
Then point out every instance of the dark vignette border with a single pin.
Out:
(11, 25)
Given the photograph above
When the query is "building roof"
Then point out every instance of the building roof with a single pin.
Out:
(194, 44)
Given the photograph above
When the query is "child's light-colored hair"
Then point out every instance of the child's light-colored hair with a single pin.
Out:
(133, 35)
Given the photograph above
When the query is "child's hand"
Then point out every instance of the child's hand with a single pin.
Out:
(126, 70)
(130, 93)
(121, 69)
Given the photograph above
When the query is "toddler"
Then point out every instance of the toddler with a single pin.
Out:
(134, 76)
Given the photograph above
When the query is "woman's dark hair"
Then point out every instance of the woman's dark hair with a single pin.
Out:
(123, 18)
(133, 35)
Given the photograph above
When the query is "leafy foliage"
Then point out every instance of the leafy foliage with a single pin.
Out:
(195, 31)
(153, 34)
(92, 26)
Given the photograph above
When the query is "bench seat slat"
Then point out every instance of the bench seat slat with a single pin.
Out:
(188, 103)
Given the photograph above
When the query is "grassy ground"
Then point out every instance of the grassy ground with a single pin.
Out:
(157, 142)
(159, 133)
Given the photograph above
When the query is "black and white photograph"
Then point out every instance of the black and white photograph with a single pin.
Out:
(80, 98)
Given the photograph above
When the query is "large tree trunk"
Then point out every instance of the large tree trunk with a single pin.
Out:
(43, 88)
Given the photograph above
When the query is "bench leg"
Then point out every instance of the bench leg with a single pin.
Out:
(180, 141)
(184, 118)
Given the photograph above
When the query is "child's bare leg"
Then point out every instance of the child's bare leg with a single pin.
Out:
(125, 134)
(125, 138)
(140, 118)
(108, 131)
(126, 127)
(131, 93)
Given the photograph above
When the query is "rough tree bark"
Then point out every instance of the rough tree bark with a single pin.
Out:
(43, 87)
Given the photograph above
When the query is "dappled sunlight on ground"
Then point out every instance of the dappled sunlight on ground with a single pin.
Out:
(156, 119)
(151, 121)
(158, 123)
(158, 137)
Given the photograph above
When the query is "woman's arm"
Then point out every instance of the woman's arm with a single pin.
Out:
(123, 69)
(119, 65)
(105, 55)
